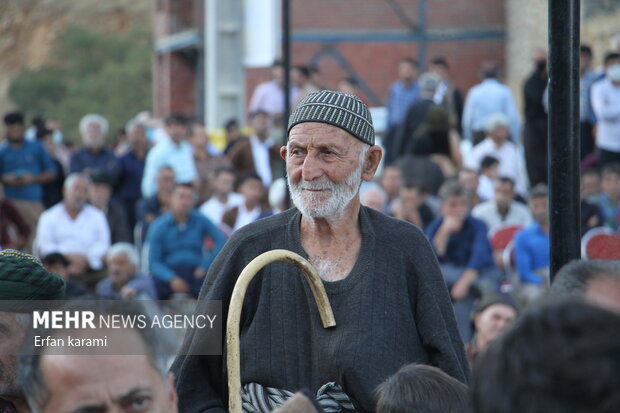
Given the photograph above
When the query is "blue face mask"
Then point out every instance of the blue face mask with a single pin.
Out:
(57, 137)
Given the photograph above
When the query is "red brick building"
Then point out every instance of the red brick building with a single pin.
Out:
(363, 39)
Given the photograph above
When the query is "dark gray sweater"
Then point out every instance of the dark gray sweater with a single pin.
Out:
(391, 310)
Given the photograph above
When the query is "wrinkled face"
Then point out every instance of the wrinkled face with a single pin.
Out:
(182, 200)
(252, 190)
(494, 320)
(93, 136)
(540, 208)
(610, 184)
(15, 132)
(120, 269)
(224, 183)
(11, 336)
(105, 384)
(590, 185)
(323, 167)
(455, 206)
(504, 193)
(165, 180)
(76, 195)
(391, 181)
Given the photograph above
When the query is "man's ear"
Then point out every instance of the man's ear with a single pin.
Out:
(283, 152)
(371, 163)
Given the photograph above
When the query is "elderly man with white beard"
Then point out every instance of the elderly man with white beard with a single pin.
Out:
(381, 276)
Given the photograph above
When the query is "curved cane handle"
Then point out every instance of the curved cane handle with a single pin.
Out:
(236, 302)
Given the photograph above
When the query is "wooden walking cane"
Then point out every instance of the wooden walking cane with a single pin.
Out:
(234, 313)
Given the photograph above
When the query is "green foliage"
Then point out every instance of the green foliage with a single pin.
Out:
(92, 72)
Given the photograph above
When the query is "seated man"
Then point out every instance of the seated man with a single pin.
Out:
(379, 273)
(75, 229)
(532, 248)
(464, 253)
(497, 145)
(150, 208)
(502, 209)
(100, 196)
(124, 280)
(178, 253)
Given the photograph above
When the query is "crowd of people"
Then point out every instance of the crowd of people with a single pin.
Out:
(165, 214)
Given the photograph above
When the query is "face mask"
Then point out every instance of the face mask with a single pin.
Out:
(613, 72)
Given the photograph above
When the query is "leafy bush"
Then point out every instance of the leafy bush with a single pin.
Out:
(91, 71)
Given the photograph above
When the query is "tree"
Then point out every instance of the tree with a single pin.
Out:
(90, 72)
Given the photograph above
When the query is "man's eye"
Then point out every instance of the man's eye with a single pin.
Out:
(140, 403)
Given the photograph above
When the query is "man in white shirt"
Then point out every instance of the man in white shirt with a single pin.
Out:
(485, 99)
(605, 98)
(502, 209)
(77, 230)
(497, 145)
(223, 197)
(175, 152)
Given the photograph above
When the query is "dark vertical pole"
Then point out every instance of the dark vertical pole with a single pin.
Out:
(564, 208)
(422, 25)
(286, 59)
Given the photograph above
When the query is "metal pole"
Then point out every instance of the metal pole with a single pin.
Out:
(286, 60)
(564, 206)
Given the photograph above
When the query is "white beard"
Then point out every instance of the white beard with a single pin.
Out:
(333, 198)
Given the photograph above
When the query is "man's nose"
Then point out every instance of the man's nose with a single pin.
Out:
(311, 168)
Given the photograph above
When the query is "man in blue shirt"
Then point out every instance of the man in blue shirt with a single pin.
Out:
(182, 244)
(485, 99)
(94, 157)
(532, 248)
(24, 167)
(464, 252)
(403, 93)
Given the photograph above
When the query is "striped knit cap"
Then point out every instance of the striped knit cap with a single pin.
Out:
(22, 277)
(339, 109)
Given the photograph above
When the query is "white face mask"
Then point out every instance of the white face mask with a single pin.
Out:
(613, 72)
